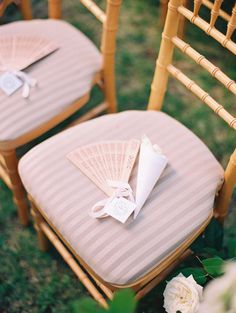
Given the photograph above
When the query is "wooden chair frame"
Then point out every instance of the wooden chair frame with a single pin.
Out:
(105, 79)
(46, 232)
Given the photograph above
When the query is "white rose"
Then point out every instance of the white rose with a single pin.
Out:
(182, 294)
(220, 294)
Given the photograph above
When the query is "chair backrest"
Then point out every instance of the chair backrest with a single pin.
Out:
(164, 67)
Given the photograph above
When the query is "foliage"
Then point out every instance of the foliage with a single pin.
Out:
(213, 266)
(123, 301)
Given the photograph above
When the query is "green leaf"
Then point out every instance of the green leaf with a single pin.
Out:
(123, 301)
(198, 274)
(87, 305)
(213, 266)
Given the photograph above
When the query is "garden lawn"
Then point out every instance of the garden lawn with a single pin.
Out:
(35, 282)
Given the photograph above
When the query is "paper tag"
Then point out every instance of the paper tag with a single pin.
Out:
(9, 83)
(120, 209)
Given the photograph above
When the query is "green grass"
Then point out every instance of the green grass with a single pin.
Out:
(32, 281)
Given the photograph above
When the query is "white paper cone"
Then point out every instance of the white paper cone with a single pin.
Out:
(150, 167)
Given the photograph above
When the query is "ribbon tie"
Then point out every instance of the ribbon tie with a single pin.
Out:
(28, 82)
(121, 189)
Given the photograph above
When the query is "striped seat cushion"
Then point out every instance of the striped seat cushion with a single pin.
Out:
(63, 77)
(180, 202)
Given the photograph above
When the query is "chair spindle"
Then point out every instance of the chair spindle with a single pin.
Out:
(215, 12)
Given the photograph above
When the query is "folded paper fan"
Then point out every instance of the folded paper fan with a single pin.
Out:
(106, 161)
(18, 52)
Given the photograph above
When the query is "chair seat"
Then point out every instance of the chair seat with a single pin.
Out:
(180, 202)
(63, 77)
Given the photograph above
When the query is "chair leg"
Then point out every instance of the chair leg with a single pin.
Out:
(42, 239)
(17, 188)
(26, 10)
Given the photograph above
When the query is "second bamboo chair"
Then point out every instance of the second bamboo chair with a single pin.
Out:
(105, 254)
(65, 79)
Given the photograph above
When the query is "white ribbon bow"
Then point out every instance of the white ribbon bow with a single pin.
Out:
(122, 189)
(28, 82)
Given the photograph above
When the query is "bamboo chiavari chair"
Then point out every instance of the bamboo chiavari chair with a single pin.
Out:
(25, 7)
(106, 255)
(103, 76)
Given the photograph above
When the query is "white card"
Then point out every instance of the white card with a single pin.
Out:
(9, 83)
(120, 209)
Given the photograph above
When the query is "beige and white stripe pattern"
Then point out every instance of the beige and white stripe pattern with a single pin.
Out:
(63, 77)
(182, 199)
